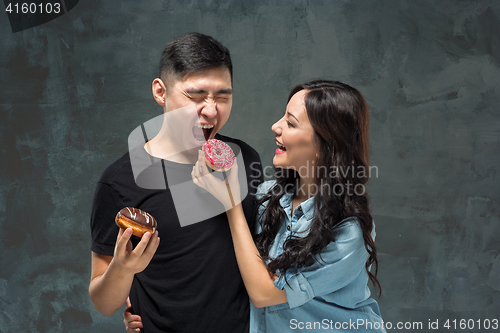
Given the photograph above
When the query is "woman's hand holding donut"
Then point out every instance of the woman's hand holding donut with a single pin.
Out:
(135, 260)
(227, 191)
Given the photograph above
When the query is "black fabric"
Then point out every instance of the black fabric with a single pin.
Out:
(192, 284)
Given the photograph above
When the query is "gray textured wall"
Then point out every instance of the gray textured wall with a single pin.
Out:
(72, 90)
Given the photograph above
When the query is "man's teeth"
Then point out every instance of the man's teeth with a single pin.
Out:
(204, 126)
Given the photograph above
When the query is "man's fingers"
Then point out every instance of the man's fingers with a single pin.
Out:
(141, 246)
(120, 233)
(123, 238)
(152, 245)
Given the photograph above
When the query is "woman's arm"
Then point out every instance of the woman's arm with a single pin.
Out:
(258, 282)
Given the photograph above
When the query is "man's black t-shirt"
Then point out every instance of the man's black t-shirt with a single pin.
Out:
(192, 284)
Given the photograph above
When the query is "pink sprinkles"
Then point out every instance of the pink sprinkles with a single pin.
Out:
(219, 154)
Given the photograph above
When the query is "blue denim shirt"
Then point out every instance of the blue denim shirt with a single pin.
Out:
(329, 296)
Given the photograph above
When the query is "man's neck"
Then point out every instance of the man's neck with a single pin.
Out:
(161, 147)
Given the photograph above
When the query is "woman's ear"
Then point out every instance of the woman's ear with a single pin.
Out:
(159, 91)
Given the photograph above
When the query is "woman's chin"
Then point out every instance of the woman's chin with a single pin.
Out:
(276, 163)
(279, 165)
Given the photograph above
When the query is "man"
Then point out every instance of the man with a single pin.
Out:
(188, 282)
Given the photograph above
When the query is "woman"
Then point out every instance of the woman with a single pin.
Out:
(309, 265)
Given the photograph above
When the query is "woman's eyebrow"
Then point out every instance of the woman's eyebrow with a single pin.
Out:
(291, 115)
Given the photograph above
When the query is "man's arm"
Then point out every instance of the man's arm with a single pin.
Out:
(111, 277)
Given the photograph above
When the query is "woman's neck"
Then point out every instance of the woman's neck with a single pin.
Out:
(307, 189)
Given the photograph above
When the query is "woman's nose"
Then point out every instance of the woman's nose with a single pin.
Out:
(276, 128)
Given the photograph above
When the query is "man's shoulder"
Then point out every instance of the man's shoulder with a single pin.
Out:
(115, 169)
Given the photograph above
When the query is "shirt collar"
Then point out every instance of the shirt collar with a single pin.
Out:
(307, 206)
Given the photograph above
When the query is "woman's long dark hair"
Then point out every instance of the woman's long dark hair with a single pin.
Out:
(339, 116)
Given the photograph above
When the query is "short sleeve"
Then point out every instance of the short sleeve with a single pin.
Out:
(341, 262)
(105, 205)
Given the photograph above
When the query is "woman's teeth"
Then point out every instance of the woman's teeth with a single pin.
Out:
(280, 146)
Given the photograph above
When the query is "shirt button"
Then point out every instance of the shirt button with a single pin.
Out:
(300, 208)
(288, 228)
(299, 266)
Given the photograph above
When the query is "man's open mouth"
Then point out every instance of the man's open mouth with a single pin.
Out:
(201, 132)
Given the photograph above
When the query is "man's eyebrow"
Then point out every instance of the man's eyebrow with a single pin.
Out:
(201, 91)
(291, 115)
(225, 91)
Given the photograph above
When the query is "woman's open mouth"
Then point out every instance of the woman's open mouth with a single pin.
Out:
(281, 148)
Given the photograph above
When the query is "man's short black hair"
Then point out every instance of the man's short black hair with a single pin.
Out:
(190, 53)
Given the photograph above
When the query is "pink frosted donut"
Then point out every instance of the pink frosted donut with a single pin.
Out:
(218, 155)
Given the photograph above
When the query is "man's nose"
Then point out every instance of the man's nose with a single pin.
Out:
(209, 109)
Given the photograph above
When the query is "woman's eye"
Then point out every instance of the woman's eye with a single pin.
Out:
(289, 124)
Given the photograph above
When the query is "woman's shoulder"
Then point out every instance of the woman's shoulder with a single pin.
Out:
(347, 229)
(350, 228)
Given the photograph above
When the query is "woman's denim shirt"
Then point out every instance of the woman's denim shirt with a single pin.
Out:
(329, 296)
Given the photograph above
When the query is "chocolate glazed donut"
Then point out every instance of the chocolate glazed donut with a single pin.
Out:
(138, 220)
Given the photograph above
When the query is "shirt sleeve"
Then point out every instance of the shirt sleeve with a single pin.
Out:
(105, 205)
(340, 263)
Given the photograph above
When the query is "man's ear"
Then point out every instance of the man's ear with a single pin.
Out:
(159, 91)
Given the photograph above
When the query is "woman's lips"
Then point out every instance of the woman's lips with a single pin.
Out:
(281, 149)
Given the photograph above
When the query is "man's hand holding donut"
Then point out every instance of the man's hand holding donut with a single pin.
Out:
(112, 277)
(135, 260)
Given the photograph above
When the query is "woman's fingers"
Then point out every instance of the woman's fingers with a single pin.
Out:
(220, 189)
(202, 164)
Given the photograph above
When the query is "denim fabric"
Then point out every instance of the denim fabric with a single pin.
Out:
(329, 296)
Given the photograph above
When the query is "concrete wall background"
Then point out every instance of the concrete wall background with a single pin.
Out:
(73, 89)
